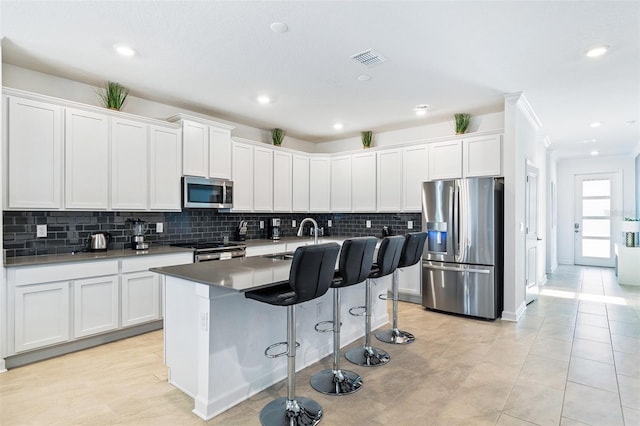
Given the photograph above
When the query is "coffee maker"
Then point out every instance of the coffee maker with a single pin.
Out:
(274, 228)
(140, 228)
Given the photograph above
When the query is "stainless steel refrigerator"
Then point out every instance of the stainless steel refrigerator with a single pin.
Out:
(462, 260)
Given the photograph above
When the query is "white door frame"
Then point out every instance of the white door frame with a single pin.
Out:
(531, 232)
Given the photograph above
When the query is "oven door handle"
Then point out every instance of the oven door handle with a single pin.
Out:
(206, 257)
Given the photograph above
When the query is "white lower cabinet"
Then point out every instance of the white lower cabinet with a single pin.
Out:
(95, 305)
(266, 249)
(41, 315)
(410, 280)
(140, 298)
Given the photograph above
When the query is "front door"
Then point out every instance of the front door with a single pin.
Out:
(596, 197)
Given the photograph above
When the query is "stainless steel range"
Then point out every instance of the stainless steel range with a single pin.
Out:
(204, 252)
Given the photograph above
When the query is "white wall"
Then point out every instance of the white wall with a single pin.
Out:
(481, 123)
(3, 313)
(567, 169)
(46, 84)
(519, 146)
(552, 213)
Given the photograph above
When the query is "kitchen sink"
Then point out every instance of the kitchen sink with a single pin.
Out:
(279, 256)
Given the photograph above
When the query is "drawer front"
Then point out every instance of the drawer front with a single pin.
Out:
(64, 272)
(146, 262)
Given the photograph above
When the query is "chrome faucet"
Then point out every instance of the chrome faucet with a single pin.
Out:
(315, 228)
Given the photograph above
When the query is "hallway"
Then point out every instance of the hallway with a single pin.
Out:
(573, 359)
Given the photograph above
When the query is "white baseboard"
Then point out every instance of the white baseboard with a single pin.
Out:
(565, 262)
(514, 316)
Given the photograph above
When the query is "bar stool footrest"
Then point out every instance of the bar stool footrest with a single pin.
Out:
(318, 326)
(278, 354)
(358, 314)
(383, 296)
(300, 411)
(395, 337)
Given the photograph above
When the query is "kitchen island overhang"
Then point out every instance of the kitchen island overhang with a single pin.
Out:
(215, 338)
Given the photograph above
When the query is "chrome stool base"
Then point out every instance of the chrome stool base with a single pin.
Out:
(367, 356)
(395, 336)
(298, 412)
(340, 382)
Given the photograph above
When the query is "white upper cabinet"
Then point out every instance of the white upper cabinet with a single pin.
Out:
(363, 182)
(389, 180)
(262, 179)
(206, 147)
(341, 184)
(195, 149)
(320, 184)
(34, 155)
(165, 169)
(242, 177)
(282, 181)
(129, 165)
(482, 156)
(445, 160)
(415, 170)
(219, 152)
(87, 164)
(300, 183)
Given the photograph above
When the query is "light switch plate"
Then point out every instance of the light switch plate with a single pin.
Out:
(262, 224)
(329, 223)
(159, 227)
(41, 231)
(409, 224)
(368, 224)
(293, 223)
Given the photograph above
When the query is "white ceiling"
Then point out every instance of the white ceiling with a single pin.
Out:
(215, 57)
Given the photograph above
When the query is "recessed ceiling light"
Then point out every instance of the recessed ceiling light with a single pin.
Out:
(421, 109)
(338, 126)
(263, 99)
(124, 50)
(596, 51)
(595, 124)
(279, 27)
(364, 77)
(595, 152)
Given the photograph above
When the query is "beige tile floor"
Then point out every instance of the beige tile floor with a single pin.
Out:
(573, 359)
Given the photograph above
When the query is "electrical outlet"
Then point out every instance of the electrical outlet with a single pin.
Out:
(329, 223)
(159, 227)
(368, 224)
(410, 224)
(41, 231)
(293, 223)
(262, 224)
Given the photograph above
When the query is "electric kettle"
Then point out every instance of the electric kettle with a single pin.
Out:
(99, 241)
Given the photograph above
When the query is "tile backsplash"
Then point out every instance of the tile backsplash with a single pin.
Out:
(68, 231)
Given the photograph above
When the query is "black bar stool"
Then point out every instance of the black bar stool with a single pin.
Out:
(356, 258)
(411, 254)
(387, 262)
(310, 277)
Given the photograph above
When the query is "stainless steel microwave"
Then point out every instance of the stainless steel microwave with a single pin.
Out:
(206, 193)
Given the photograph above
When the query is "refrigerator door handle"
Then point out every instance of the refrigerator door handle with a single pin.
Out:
(456, 220)
(478, 271)
(449, 268)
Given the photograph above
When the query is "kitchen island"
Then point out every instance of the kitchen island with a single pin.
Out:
(214, 337)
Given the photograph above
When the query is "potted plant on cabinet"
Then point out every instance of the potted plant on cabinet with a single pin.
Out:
(277, 135)
(366, 138)
(113, 95)
(462, 122)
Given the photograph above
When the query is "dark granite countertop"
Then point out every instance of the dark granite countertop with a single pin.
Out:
(89, 256)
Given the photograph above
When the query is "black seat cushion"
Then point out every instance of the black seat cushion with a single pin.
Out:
(356, 258)
(412, 249)
(310, 276)
(388, 256)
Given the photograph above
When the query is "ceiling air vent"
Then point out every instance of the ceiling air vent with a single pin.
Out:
(369, 58)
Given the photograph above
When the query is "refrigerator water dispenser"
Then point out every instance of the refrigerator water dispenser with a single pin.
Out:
(437, 237)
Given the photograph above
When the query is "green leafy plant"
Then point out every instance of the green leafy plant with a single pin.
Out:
(113, 95)
(462, 122)
(277, 135)
(366, 138)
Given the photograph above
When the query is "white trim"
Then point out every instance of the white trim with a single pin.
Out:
(514, 316)
(201, 120)
(520, 101)
(565, 262)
